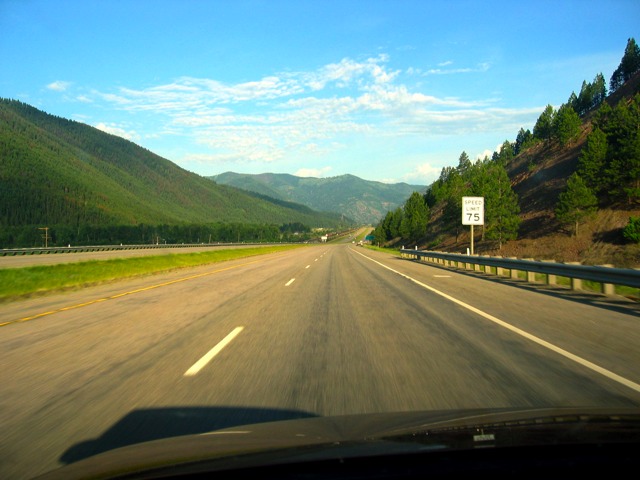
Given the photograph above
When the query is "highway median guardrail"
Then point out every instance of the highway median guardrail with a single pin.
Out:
(606, 275)
(104, 248)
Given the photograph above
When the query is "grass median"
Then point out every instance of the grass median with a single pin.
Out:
(16, 283)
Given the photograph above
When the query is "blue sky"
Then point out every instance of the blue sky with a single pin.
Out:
(386, 90)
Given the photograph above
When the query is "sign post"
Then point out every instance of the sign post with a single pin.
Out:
(472, 213)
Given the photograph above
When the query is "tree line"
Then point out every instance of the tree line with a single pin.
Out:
(141, 234)
(485, 178)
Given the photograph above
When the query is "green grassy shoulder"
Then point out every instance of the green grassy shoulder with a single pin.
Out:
(18, 283)
(392, 251)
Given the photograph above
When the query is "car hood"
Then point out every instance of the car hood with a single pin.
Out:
(351, 436)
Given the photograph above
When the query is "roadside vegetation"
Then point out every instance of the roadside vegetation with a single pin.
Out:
(569, 190)
(18, 283)
(91, 188)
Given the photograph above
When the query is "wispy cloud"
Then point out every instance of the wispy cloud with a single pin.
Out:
(58, 86)
(293, 115)
(482, 67)
(313, 172)
(423, 174)
(116, 130)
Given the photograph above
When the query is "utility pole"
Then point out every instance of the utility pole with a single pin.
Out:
(45, 236)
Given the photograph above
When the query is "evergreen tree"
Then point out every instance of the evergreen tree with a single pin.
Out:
(585, 99)
(574, 102)
(591, 161)
(543, 128)
(430, 197)
(591, 95)
(629, 65)
(506, 153)
(415, 218)
(566, 124)
(464, 164)
(396, 221)
(501, 206)
(622, 171)
(382, 232)
(576, 203)
(456, 189)
(599, 88)
(523, 140)
(632, 231)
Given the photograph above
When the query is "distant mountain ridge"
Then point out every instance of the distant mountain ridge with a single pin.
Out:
(55, 171)
(364, 201)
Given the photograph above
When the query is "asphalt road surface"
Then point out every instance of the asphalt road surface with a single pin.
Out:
(316, 331)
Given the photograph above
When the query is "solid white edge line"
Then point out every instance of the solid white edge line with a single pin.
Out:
(200, 364)
(289, 282)
(596, 368)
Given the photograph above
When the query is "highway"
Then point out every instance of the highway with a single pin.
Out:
(316, 331)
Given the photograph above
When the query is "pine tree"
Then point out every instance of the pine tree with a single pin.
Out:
(456, 188)
(599, 89)
(629, 65)
(523, 140)
(415, 218)
(632, 231)
(543, 128)
(501, 206)
(464, 164)
(591, 161)
(576, 203)
(396, 221)
(566, 124)
(622, 171)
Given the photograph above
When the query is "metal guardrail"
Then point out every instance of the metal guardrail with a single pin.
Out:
(606, 275)
(103, 248)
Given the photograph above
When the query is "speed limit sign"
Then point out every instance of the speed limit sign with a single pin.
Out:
(473, 210)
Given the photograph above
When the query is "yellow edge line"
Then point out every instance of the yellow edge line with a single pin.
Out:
(118, 295)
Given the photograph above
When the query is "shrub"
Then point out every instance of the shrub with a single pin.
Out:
(632, 231)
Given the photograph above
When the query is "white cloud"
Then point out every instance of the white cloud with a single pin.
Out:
(59, 86)
(482, 67)
(115, 130)
(299, 115)
(348, 71)
(423, 174)
(313, 172)
(484, 154)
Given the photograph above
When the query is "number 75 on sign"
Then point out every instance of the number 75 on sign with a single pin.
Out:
(473, 210)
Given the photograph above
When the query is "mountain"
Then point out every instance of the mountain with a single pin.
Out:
(55, 171)
(362, 200)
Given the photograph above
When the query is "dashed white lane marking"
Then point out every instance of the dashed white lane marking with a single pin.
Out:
(290, 282)
(200, 364)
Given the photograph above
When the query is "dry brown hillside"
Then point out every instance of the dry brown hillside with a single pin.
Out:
(538, 176)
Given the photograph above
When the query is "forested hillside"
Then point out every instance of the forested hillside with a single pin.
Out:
(89, 186)
(362, 200)
(568, 191)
